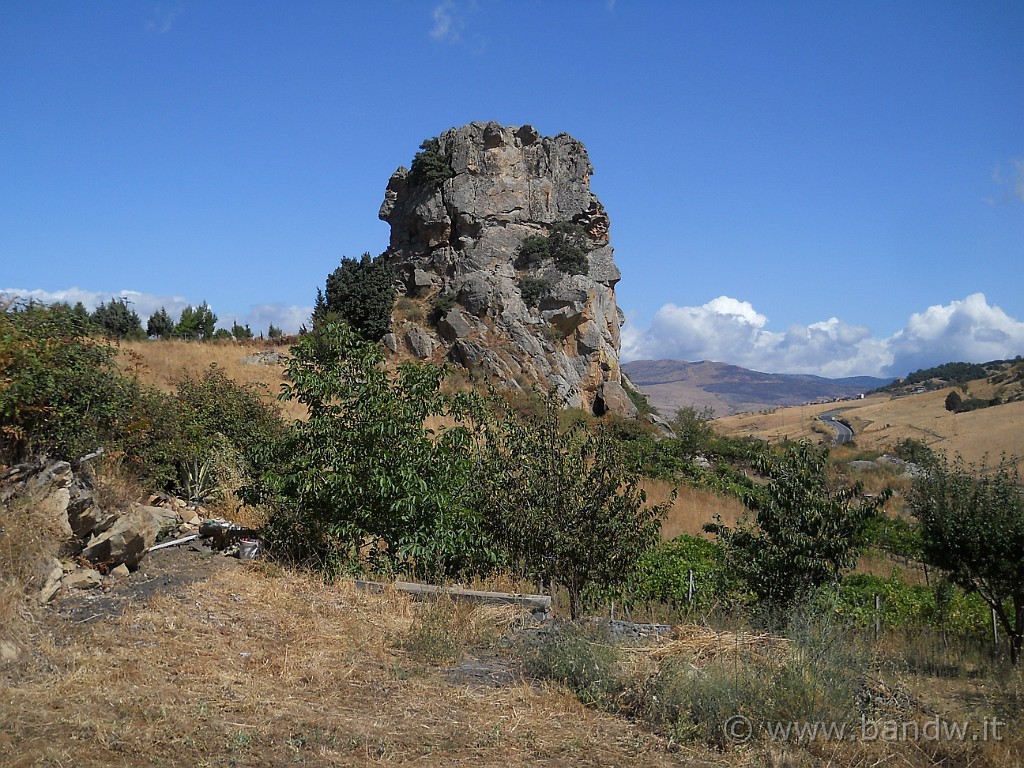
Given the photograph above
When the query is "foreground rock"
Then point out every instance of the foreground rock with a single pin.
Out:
(468, 296)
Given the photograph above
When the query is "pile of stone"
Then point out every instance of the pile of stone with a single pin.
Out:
(97, 542)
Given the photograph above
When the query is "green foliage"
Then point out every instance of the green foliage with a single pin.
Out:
(566, 505)
(442, 304)
(914, 451)
(241, 332)
(940, 606)
(430, 167)
(363, 480)
(972, 525)
(118, 320)
(566, 246)
(957, 404)
(361, 293)
(806, 534)
(694, 433)
(533, 251)
(196, 323)
(895, 536)
(663, 574)
(274, 333)
(60, 391)
(533, 289)
(160, 325)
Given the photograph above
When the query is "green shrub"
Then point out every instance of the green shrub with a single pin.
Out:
(663, 573)
(583, 658)
(118, 320)
(533, 252)
(430, 167)
(60, 391)
(941, 606)
(566, 245)
(533, 289)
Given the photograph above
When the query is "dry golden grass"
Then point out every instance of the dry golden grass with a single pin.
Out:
(162, 363)
(252, 669)
(692, 508)
(880, 422)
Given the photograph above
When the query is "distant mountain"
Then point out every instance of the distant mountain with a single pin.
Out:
(728, 389)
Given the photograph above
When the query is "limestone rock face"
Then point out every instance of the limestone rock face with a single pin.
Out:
(455, 250)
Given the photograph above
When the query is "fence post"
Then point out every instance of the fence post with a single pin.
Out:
(995, 632)
(689, 593)
(878, 616)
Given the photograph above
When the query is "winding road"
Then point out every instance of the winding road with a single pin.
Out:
(843, 433)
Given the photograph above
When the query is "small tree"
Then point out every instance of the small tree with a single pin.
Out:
(196, 323)
(274, 333)
(972, 525)
(241, 332)
(119, 320)
(364, 477)
(361, 293)
(160, 325)
(807, 533)
(430, 166)
(566, 505)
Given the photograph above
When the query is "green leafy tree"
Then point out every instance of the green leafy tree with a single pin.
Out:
(160, 325)
(807, 533)
(118, 320)
(361, 293)
(567, 505)
(273, 332)
(196, 323)
(60, 391)
(363, 478)
(972, 526)
(241, 332)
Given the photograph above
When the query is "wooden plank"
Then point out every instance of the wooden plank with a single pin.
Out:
(533, 603)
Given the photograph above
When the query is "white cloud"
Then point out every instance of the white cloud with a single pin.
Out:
(1011, 180)
(162, 20)
(144, 304)
(447, 22)
(289, 318)
(259, 316)
(732, 331)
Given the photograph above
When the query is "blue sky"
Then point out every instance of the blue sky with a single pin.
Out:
(820, 187)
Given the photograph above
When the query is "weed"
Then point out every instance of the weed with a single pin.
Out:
(583, 658)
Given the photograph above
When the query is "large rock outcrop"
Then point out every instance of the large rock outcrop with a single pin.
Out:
(468, 294)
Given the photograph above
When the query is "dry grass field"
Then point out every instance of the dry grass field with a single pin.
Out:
(879, 422)
(161, 363)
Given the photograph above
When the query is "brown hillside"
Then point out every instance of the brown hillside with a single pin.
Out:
(162, 363)
(881, 421)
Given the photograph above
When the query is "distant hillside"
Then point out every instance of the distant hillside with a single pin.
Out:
(728, 389)
(1008, 374)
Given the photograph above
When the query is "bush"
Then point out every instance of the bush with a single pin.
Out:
(566, 246)
(533, 289)
(430, 167)
(582, 658)
(663, 573)
(118, 320)
(60, 391)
